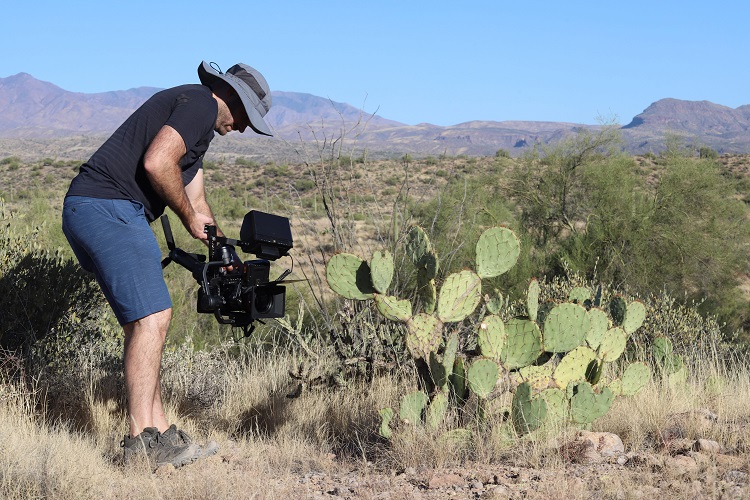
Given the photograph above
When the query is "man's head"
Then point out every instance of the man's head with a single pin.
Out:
(245, 92)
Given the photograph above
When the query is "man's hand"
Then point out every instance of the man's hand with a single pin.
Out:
(196, 225)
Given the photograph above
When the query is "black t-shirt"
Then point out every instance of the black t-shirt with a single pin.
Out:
(116, 170)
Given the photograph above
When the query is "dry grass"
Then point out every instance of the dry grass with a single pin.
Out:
(269, 441)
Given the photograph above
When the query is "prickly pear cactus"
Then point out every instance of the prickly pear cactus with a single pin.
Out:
(555, 359)
(482, 376)
(586, 405)
(381, 268)
(412, 406)
(459, 296)
(498, 249)
(527, 413)
(349, 276)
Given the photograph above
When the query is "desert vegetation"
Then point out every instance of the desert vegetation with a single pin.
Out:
(300, 408)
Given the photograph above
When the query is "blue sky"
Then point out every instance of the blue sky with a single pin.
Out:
(412, 61)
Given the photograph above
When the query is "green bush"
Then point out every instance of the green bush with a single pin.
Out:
(51, 311)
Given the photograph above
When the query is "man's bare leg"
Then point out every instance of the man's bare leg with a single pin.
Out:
(144, 342)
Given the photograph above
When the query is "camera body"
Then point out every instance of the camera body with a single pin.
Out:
(235, 292)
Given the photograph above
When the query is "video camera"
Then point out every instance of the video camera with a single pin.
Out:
(243, 295)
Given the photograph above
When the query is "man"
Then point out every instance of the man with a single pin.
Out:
(155, 159)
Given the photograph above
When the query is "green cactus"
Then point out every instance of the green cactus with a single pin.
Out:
(579, 295)
(459, 296)
(491, 337)
(458, 380)
(523, 344)
(412, 406)
(617, 309)
(635, 378)
(441, 367)
(635, 315)
(527, 413)
(381, 271)
(437, 410)
(482, 376)
(386, 415)
(586, 405)
(498, 249)
(599, 324)
(417, 245)
(494, 302)
(574, 366)
(557, 406)
(428, 295)
(392, 308)
(612, 344)
(425, 335)
(349, 276)
(532, 299)
(538, 377)
(565, 327)
(664, 355)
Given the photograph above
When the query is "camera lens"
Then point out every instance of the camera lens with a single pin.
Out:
(263, 303)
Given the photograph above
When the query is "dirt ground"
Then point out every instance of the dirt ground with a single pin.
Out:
(688, 474)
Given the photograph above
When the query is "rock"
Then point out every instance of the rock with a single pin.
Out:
(605, 443)
(707, 446)
(681, 465)
(448, 480)
(736, 477)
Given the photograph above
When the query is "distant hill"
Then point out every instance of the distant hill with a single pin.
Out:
(33, 110)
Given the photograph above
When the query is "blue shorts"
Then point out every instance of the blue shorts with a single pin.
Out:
(113, 240)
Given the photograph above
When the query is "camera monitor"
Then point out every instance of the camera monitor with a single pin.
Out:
(266, 235)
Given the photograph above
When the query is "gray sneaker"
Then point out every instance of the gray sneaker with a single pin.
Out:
(159, 450)
(180, 438)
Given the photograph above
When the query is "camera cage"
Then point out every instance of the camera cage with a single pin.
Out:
(267, 236)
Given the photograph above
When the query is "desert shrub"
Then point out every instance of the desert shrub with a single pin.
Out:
(51, 311)
(681, 230)
(708, 153)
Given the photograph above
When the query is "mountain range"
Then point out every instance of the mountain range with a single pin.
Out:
(34, 111)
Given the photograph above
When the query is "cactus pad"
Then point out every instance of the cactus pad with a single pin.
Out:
(459, 296)
(428, 295)
(532, 299)
(417, 245)
(527, 413)
(635, 378)
(523, 344)
(599, 324)
(425, 335)
(557, 405)
(538, 377)
(412, 406)
(386, 415)
(586, 406)
(392, 308)
(617, 309)
(574, 366)
(427, 268)
(498, 249)
(494, 302)
(349, 276)
(579, 295)
(565, 327)
(491, 337)
(458, 380)
(437, 410)
(612, 344)
(634, 316)
(381, 270)
(438, 371)
(482, 376)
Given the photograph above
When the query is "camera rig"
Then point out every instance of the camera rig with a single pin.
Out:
(242, 294)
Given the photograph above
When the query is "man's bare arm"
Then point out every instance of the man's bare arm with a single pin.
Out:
(161, 163)
(196, 192)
